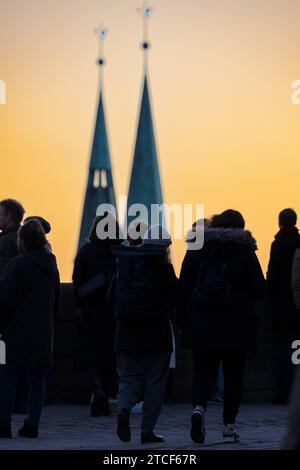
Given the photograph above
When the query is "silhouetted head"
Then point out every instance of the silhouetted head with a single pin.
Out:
(201, 222)
(228, 219)
(44, 223)
(105, 230)
(11, 213)
(287, 218)
(31, 236)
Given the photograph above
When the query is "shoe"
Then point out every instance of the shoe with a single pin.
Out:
(123, 429)
(229, 434)
(198, 425)
(5, 432)
(151, 438)
(100, 407)
(31, 432)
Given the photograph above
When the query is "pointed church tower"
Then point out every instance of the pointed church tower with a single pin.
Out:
(100, 188)
(145, 184)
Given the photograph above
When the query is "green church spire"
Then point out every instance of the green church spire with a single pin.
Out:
(100, 188)
(145, 184)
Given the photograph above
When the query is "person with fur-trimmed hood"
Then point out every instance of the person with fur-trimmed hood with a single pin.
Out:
(218, 284)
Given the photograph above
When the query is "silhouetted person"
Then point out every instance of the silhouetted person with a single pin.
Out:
(93, 269)
(11, 216)
(30, 292)
(145, 289)
(218, 284)
(285, 316)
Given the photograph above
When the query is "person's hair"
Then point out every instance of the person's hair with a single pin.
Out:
(111, 220)
(14, 209)
(287, 218)
(228, 219)
(31, 236)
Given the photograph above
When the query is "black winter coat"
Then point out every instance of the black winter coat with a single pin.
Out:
(30, 294)
(8, 246)
(97, 326)
(279, 285)
(151, 333)
(231, 326)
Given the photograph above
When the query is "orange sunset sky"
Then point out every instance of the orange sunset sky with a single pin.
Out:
(220, 72)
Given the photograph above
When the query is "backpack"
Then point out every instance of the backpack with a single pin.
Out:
(213, 283)
(138, 292)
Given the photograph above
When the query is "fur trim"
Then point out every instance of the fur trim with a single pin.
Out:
(226, 235)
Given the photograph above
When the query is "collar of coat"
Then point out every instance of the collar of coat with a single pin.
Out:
(13, 228)
(283, 232)
(227, 236)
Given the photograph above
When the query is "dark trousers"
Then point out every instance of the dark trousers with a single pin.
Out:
(143, 374)
(9, 374)
(286, 367)
(206, 368)
(103, 382)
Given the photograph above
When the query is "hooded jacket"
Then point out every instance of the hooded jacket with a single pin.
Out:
(148, 333)
(30, 294)
(224, 326)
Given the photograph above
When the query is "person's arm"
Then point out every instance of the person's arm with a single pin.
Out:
(7, 252)
(171, 286)
(257, 283)
(273, 272)
(57, 296)
(296, 279)
(186, 282)
(9, 285)
(79, 266)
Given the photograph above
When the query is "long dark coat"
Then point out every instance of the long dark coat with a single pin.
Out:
(30, 294)
(97, 325)
(225, 326)
(279, 286)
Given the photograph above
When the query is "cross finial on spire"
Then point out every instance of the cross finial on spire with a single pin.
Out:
(146, 12)
(102, 33)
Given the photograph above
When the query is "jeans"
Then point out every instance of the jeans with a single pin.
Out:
(143, 374)
(9, 374)
(206, 368)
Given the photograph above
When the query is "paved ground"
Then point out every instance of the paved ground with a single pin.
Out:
(70, 427)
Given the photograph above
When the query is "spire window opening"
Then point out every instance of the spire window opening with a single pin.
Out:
(96, 181)
(103, 179)
(100, 179)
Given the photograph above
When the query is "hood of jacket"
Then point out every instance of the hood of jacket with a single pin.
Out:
(226, 236)
(43, 259)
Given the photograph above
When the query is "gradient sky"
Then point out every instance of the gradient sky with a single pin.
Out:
(221, 74)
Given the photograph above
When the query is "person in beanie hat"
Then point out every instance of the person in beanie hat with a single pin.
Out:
(145, 287)
(45, 225)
